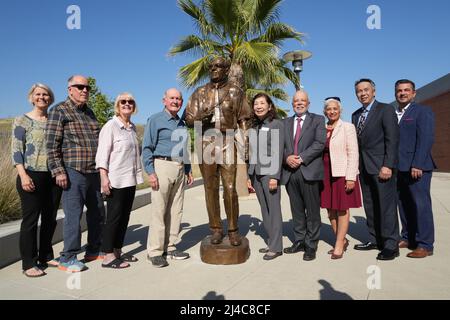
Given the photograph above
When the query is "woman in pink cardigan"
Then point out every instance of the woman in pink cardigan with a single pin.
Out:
(341, 189)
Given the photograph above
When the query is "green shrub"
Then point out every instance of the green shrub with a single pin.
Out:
(9, 198)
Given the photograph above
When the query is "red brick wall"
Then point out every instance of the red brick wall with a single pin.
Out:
(441, 148)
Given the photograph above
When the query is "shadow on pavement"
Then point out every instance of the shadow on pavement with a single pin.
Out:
(136, 233)
(212, 295)
(247, 223)
(329, 293)
(357, 230)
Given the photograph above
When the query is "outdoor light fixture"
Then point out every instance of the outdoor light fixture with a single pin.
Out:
(297, 58)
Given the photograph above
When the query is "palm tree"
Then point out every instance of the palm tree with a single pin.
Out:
(247, 32)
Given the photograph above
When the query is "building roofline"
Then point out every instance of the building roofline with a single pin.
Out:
(434, 89)
(431, 90)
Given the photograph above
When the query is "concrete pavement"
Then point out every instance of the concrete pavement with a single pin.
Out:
(357, 276)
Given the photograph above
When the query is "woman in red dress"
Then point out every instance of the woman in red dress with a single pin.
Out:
(341, 189)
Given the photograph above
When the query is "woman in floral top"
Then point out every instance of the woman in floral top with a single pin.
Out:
(38, 193)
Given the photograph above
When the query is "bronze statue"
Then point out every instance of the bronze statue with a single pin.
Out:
(219, 107)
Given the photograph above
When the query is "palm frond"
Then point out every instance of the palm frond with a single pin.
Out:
(200, 19)
(279, 94)
(276, 93)
(223, 14)
(195, 45)
(281, 113)
(195, 72)
(276, 33)
(290, 75)
(265, 13)
(255, 55)
(248, 32)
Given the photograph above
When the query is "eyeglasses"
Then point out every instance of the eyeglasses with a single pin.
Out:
(81, 87)
(130, 102)
(334, 98)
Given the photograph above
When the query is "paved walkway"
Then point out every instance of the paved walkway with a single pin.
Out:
(357, 276)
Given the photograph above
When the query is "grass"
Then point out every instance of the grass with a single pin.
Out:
(9, 198)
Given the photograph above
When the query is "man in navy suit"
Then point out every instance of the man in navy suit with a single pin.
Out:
(378, 135)
(415, 169)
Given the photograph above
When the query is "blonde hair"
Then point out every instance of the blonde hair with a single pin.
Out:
(42, 86)
(120, 97)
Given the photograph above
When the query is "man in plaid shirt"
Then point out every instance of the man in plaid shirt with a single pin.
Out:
(72, 139)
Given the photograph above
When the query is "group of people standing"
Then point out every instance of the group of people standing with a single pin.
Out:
(385, 153)
(64, 153)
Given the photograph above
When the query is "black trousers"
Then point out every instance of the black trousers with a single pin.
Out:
(44, 203)
(119, 204)
(304, 197)
(380, 205)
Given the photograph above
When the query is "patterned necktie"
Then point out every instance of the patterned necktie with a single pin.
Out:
(297, 135)
(362, 120)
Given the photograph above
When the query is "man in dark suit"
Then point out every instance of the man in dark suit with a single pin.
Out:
(415, 169)
(378, 135)
(305, 137)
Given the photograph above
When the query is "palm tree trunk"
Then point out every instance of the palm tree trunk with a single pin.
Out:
(236, 76)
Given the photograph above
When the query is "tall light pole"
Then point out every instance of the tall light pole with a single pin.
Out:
(297, 58)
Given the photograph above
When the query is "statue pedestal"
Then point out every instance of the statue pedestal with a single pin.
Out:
(224, 253)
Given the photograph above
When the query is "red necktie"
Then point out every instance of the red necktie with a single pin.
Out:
(297, 135)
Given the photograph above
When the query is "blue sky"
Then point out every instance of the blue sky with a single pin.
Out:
(124, 46)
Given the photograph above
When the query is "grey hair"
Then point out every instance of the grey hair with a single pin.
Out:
(165, 93)
(42, 86)
(325, 104)
(70, 80)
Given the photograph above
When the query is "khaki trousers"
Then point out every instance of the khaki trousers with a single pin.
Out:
(166, 207)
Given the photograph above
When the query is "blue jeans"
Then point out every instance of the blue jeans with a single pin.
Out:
(83, 189)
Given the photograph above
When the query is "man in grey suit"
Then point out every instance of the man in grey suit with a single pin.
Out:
(378, 139)
(305, 137)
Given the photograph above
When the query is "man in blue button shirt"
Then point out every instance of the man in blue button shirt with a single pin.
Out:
(164, 155)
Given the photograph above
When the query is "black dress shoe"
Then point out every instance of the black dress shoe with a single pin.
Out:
(263, 250)
(296, 247)
(309, 255)
(366, 246)
(272, 255)
(388, 254)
